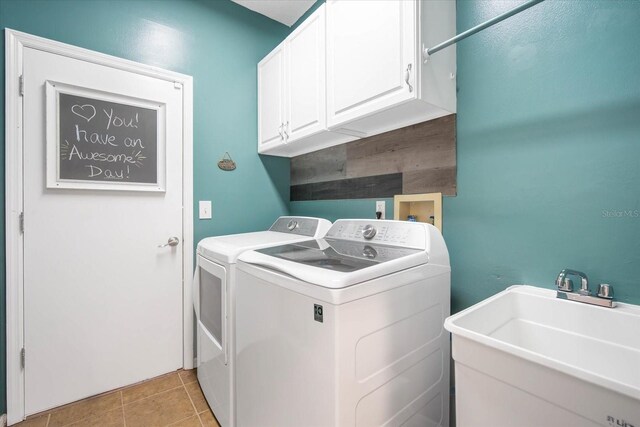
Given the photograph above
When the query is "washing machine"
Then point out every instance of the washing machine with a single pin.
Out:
(346, 330)
(214, 303)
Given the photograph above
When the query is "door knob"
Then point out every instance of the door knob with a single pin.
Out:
(173, 241)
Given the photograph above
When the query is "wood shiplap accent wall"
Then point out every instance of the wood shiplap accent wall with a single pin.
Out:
(416, 159)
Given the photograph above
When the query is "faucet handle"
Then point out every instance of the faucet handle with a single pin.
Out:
(566, 285)
(605, 290)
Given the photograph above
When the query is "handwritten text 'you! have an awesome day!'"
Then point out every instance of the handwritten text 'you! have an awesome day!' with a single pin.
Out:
(107, 155)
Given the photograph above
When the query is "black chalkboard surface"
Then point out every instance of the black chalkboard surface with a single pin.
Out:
(107, 141)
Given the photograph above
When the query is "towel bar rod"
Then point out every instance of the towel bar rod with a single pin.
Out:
(471, 31)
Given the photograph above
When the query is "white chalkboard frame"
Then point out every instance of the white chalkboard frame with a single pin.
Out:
(53, 89)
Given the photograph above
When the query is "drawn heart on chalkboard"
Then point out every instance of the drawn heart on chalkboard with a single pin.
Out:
(86, 111)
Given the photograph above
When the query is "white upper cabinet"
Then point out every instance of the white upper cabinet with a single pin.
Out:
(370, 44)
(376, 77)
(270, 98)
(353, 69)
(306, 108)
(292, 113)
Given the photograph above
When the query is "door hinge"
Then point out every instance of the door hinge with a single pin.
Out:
(22, 357)
(21, 85)
(21, 219)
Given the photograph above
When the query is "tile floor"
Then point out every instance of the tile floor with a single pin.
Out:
(173, 399)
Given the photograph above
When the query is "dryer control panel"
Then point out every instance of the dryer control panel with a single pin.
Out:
(297, 225)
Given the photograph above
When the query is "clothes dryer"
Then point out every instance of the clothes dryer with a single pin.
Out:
(214, 303)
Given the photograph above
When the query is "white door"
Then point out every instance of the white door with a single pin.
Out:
(305, 84)
(102, 302)
(370, 46)
(271, 99)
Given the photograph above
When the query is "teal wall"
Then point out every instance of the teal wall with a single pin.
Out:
(548, 149)
(548, 143)
(217, 42)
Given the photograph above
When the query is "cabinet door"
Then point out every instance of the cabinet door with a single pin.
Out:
(305, 103)
(271, 98)
(370, 45)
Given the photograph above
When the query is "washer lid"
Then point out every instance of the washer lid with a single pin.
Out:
(335, 263)
(337, 255)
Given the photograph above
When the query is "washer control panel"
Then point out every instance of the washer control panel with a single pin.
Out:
(396, 233)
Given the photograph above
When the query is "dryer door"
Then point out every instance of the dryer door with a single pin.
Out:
(212, 309)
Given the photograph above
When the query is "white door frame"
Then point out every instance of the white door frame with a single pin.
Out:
(15, 43)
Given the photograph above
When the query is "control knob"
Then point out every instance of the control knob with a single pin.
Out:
(291, 225)
(369, 231)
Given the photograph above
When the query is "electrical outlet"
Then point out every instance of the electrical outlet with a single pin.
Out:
(380, 207)
(205, 209)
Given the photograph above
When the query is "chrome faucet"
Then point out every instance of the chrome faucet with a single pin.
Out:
(584, 281)
(604, 297)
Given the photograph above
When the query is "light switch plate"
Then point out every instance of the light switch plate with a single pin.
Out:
(205, 209)
(380, 207)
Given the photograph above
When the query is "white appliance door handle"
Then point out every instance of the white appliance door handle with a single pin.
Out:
(196, 303)
(225, 323)
(196, 289)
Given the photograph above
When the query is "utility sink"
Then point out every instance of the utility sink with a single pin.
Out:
(526, 358)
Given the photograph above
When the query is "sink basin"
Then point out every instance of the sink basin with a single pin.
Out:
(526, 358)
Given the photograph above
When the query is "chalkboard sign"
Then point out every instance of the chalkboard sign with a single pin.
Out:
(101, 141)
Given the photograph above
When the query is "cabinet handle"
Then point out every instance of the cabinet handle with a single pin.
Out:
(280, 131)
(286, 125)
(407, 74)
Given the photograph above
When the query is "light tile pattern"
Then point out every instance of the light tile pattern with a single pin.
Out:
(174, 399)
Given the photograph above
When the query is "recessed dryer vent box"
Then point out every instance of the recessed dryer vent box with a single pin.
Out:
(422, 206)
